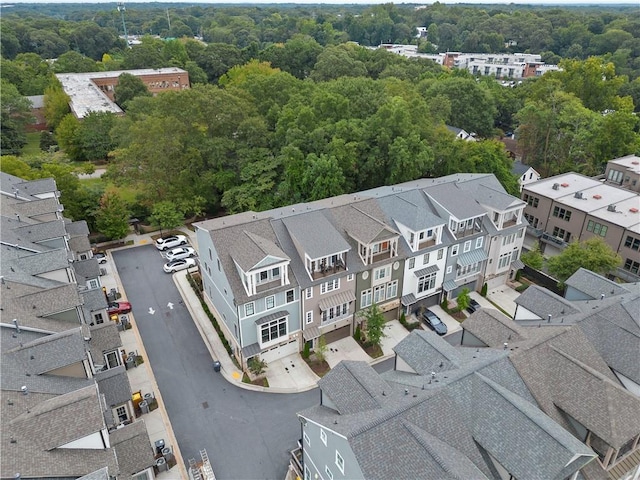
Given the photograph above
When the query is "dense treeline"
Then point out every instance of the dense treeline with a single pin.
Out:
(293, 113)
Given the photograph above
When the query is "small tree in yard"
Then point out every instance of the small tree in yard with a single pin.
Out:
(533, 258)
(321, 348)
(112, 218)
(464, 299)
(593, 254)
(166, 215)
(375, 324)
(256, 365)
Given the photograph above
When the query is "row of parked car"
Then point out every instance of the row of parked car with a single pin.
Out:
(432, 320)
(179, 255)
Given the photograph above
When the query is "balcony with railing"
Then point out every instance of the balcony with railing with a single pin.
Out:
(468, 231)
(295, 462)
(547, 238)
(326, 268)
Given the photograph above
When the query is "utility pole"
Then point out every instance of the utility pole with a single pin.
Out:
(121, 9)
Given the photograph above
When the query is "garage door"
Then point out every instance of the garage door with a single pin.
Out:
(280, 351)
(337, 334)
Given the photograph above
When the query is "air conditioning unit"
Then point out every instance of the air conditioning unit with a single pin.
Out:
(556, 186)
(611, 208)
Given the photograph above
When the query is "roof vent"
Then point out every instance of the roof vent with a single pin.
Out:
(578, 195)
(633, 210)
(635, 162)
(556, 186)
(597, 197)
(611, 208)
(564, 185)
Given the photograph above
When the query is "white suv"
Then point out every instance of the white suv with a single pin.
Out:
(170, 242)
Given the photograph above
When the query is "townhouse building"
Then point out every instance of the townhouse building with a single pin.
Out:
(572, 207)
(538, 397)
(624, 172)
(68, 410)
(285, 277)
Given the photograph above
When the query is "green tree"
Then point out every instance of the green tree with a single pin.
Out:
(15, 113)
(256, 365)
(321, 349)
(374, 320)
(166, 215)
(323, 177)
(93, 137)
(337, 61)
(463, 299)
(67, 133)
(112, 217)
(56, 105)
(129, 87)
(533, 258)
(593, 254)
(75, 62)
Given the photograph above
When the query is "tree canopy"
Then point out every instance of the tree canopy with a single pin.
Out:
(593, 254)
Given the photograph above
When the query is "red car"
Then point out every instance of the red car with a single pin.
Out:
(117, 308)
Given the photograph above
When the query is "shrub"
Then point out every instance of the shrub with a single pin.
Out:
(485, 288)
(306, 350)
(445, 305)
(518, 275)
(357, 336)
(256, 365)
(522, 288)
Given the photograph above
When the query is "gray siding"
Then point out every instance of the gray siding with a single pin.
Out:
(317, 456)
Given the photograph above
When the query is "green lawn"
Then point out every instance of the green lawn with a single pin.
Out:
(33, 144)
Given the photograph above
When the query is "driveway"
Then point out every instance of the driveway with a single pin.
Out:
(248, 435)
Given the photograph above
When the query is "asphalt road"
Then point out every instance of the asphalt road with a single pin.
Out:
(248, 435)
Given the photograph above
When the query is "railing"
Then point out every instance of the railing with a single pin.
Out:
(327, 270)
(296, 459)
(426, 243)
(509, 223)
(551, 239)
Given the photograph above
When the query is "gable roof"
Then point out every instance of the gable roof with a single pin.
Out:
(133, 448)
(453, 198)
(304, 230)
(542, 303)
(114, 385)
(594, 285)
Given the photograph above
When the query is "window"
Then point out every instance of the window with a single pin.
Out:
(412, 263)
(378, 294)
(392, 289)
(340, 462)
(533, 221)
(454, 250)
(328, 472)
(270, 301)
(380, 247)
(98, 318)
(350, 277)
(479, 241)
(93, 283)
(308, 293)
(520, 233)
(632, 243)
(504, 260)
(426, 283)
(509, 239)
(306, 438)
(121, 412)
(275, 273)
(264, 276)
(631, 266)
(309, 317)
(597, 228)
(425, 259)
(365, 298)
(290, 296)
(383, 272)
(531, 200)
(449, 269)
(335, 312)
(307, 473)
(111, 359)
(467, 246)
(218, 260)
(248, 309)
(329, 286)
(440, 253)
(562, 213)
(615, 176)
(561, 233)
(421, 236)
(323, 437)
(273, 330)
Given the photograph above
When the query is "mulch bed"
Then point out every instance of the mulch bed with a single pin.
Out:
(320, 368)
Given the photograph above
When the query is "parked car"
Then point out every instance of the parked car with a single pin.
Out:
(101, 257)
(176, 265)
(473, 306)
(173, 241)
(180, 252)
(433, 322)
(117, 308)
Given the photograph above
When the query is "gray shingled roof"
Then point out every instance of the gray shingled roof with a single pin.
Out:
(133, 448)
(519, 168)
(93, 300)
(315, 235)
(251, 250)
(36, 207)
(77, 228)
(36, 187)
(493, 327)
(362, 226)
(86, 269)
(104, 338)
(353, 387)
(453, 197)
(50, 301)
(543, 302)
(39, 232)
(594, 285)
(411, 210)
(114, 385)
(79, 244)
(52, 421)
(425, 354)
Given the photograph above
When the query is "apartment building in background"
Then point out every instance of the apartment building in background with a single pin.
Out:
(571, 207)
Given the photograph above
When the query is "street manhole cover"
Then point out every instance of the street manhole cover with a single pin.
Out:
(205, 404)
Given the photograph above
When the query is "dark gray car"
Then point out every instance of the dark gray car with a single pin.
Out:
(433, 322)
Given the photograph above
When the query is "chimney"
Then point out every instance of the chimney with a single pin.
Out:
(549, 318)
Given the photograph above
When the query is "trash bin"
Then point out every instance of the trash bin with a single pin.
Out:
(144, 407)
(161, 464)
(216, 366)
(148, 397)
(159, 445)
(130, 363)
